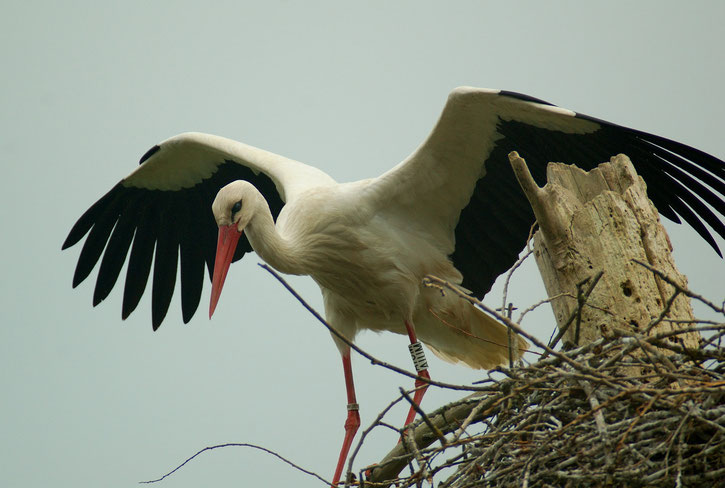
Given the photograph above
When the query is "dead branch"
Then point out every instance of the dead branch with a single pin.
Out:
(552, 425)
(236, 444)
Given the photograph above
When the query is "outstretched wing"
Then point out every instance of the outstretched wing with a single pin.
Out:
(459, 186)
(162, 211)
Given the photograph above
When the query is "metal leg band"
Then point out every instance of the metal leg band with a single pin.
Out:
(418, 356)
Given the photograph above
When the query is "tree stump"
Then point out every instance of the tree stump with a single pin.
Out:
(602, 220)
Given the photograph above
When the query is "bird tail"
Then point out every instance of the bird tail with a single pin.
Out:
(456, 331)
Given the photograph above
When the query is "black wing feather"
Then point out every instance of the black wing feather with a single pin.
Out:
(97, 238)
(192, 260)
(167, 228)
(139, 264)
(677, 172)
(166, 258)
(116, 252)
(717, 183)
(192, 276)
(700, 158)
(682, 198)
(89, 217)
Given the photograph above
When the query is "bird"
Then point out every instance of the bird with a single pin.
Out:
(452, 209)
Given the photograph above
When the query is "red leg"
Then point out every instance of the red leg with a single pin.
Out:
(421, 366)
(353, 417)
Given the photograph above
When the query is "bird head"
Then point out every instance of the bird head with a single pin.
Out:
(233, 209)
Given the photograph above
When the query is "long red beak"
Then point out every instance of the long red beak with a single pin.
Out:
(225, 247)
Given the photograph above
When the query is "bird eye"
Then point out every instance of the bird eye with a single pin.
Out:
(236, 207)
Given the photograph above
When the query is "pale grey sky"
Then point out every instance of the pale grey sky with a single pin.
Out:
(353, 88)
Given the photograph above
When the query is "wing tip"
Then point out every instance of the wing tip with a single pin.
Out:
(68, 243)
(717, 251)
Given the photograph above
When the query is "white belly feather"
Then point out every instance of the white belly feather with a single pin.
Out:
(370, 271)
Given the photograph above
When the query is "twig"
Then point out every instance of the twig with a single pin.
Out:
(680, 288)
(576, 314)
(425, 418)
(237, 444)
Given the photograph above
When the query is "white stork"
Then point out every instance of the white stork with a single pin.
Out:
(452, 209)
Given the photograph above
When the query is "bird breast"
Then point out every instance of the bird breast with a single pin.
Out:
(366, 265)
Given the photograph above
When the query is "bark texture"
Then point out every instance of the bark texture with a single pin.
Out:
(602, 220)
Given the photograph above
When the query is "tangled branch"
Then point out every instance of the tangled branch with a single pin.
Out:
(631, 409)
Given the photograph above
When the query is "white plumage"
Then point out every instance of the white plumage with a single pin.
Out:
(369, 265)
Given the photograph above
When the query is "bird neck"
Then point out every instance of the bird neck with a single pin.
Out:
(273, 248)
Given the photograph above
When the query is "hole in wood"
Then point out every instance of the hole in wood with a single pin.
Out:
(626, 288)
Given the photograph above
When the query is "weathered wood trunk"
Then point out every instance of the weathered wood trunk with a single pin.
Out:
(602, 220)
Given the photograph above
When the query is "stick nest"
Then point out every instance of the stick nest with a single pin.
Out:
(627, 410)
